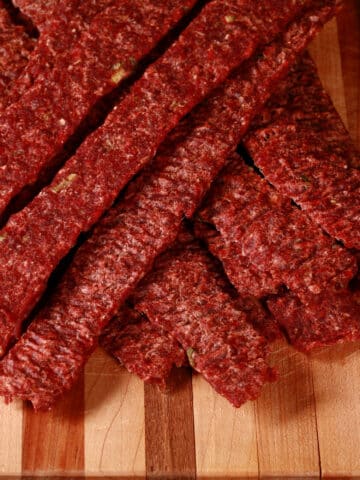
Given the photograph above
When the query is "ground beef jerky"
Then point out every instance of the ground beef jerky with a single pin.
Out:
(246, 222)
(259, 233)
(15, 49)
(142, 347)
(186, 295)
(65, 22)
(302, 147)
(125, 243)
(324, 319)
(50, 111)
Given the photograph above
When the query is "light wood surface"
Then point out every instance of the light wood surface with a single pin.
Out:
(307, 425)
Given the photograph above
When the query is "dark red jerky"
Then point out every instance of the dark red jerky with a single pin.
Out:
(185, 295)
(125, 244)
(39, 11)
(90, 180)
(259, 227)
(61, 25)
(50, 111)
(143, 348)
(324, 320)
(302, 147)
(15, 49)
(55, 105)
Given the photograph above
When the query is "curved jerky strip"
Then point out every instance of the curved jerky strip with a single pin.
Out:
(324, 319)
(255, 222)
(50, 111)
(64, 24)
(90, 181)
(15, 50)
(185, 294)
(265, 242)
(302, 147)
(124, 245)
(144, 349)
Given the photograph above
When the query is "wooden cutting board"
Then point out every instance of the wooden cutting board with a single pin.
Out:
(305, 426)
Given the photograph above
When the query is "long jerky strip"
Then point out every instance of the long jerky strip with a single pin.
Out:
(186, 295)
(302, 147)
(15, 49)
(65, 23)
(144, 349)
(125, 243)
(105, 162)
(256, 233)
(49, 112)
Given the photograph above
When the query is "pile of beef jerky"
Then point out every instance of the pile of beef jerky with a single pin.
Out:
(184, 159)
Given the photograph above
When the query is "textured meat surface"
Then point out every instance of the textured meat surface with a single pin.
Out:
(279, 242)
(125, 243)
(65, 21)
(15, 50)
(258, 226)
(325, 319)
(302, 147)
(186, 295)
(144, 348)
(49, 112)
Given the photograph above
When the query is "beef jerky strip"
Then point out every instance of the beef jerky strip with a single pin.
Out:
(247, 223)
(142, 347)
(65, 24)
(15, 49)
(45, 231)
(49, 112)
(41, 12)
(186, 295)
(317, 322)
(259, 229)
(125, 243)
(302, 147)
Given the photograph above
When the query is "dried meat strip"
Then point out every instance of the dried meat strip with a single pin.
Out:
(144, 349)
(90, 180)
(65, 23)
(124, 245)
(15, 50)
(49, 112)
(41, 12)
(186, 295)
(302, 147)
(325, 319)
(248, 224)
(257, 226)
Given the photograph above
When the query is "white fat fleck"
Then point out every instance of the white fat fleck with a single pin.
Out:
(62, 122)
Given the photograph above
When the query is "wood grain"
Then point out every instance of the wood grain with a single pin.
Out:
(336, 370)
(169, 429)
(349, 36)
(113, 419)
(11, 439)
(286, 419)
(225, 437)
(53, 442)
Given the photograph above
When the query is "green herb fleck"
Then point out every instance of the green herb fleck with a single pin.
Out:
(64, 183)
(306, 179)
(230, 18)
(190, 354)
(2, 237)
